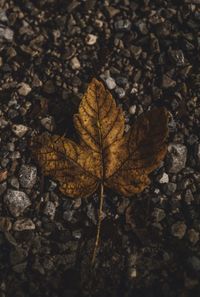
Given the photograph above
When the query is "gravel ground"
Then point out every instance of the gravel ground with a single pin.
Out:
(148, 54)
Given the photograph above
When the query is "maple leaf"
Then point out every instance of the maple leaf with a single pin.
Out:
(105, 155)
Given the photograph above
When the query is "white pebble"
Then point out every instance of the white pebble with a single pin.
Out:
(19, 130)
(164, 179)
(110, 82)
(75, 64)
(132, 109)
(91, 39)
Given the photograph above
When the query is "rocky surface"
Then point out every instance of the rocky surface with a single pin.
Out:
(147, 54)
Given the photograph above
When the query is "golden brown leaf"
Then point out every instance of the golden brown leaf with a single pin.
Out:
(143, 148)
(104, 155)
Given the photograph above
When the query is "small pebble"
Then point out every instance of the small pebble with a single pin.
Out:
(19, 130)
(193, 236)
(16, 201)
(189, 196)
(24, 89)
(178, 157)
(110, 82)
(48, 123)
(120, 92)
(23, 224)
(3, 16)
(27, 176)
(178, 229)
(122, 25)
(132, 109)
(159, 214)
(6, 33)
(50, 209)
(90, 39)
(195, 263)
(13, 181)
(169, 188)
(168, 82)
(164, 178)
(75, 64)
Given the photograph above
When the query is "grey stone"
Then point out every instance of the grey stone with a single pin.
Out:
(135, 51)
(6, 34)
(193, 236)
(50, 209)
(3, 122)
(159, 214)
(27, 176)
(164, 178)
(184, 183)
(16, 201)
(75, 64)
(122, 25)
(178, 229)
(68, 215)
(3, 16)
(13, 181)
(76, 234)
(132, 109)
(168, 82)
(24, 89)
(19, 130)
(178, 157)
(169, 188)
(194, 262)
(192, 139)
(110, 82)
(77, 203)
(178, 57)
(48, 123)
(142, 27)
(188, 196)
(120, 92)
(112, 11)
(122, 81)
(71, 5)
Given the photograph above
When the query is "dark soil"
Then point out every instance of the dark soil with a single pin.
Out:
(148, 54)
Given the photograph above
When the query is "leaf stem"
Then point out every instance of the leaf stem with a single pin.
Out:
(98, 224)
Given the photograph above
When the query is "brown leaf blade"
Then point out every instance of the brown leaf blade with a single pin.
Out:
(104, 154)
(67, 163)
(142, 151)
(100, 125)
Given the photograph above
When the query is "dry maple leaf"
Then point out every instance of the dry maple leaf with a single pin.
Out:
(105, 155)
